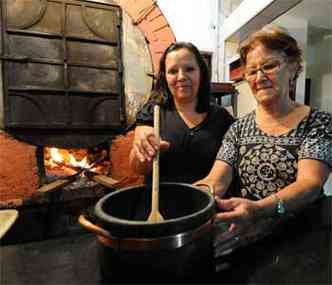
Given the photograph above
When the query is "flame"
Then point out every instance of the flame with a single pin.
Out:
(64, 162)
(66, 159)
(55, 155)
(82, 163)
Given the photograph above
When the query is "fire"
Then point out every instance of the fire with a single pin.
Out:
(55, 158)
(63, 162)
(67, 158)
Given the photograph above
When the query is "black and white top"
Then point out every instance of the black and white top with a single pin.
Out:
(192, 151)
(264, 163)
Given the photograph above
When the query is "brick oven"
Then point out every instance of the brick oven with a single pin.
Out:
(73, 74)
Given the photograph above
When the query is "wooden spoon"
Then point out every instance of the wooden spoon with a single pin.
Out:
(155, 215)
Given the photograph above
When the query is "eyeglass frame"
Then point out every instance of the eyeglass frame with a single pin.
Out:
(266, 73)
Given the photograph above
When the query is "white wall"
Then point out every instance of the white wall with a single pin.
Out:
(245, 100)
(192, 20)
(242, 15)
(319, 70)
(298, 28)
(195, 21)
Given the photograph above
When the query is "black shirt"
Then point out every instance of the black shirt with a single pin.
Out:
(192, 151)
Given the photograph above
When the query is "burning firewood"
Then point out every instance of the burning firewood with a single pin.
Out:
(62, 182)
(54, 185)
(102, 179)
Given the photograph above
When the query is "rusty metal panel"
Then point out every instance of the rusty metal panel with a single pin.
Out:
(92, 54)
(1, 30)
(92, 79)
(28, 111)
(92, 23)
(63, 64)
(35, 76)
(35, 47)
(35, 15)
(35, 109)
(95, 109)
(1, 86)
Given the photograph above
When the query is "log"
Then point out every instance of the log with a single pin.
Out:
(56, 184)
(102, 179)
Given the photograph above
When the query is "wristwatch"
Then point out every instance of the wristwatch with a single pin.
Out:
(280, 206)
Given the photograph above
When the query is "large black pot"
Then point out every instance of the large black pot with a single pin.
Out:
(180, 248)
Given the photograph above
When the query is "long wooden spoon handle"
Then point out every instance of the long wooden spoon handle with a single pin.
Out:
(155, 170)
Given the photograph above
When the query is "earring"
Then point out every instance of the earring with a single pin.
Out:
(292, 88)
(292, 83)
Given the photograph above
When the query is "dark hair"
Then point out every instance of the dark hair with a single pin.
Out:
(161, 93)
(276, 39)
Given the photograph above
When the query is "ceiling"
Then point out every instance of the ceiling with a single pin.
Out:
(318, 12)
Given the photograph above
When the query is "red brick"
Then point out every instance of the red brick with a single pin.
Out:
(165, 34)
(158, 23)
(158, 46)
(154, 25)
(147, 31)
(156, 12)
(121, 171)
(18, 172)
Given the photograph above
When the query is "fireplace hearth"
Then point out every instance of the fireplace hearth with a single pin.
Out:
(73, 73)
(51, 208)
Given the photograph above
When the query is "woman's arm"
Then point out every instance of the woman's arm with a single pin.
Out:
(312, 174)
(220, 177)
(311, 177)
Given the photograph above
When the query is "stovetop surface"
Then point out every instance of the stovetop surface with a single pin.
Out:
(66, 260)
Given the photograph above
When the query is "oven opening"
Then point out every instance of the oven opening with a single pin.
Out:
(61, 162)
(73, 168)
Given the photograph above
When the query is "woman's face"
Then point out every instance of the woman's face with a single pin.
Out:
(268, 75)
(182, 75)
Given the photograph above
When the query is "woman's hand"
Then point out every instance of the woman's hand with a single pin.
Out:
(237, 211)
(146, 144)
(144, 149)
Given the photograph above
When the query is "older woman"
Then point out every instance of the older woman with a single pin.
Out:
(191, 127)
(280, 152)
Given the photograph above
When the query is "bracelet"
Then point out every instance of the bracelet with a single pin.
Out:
(280, 206)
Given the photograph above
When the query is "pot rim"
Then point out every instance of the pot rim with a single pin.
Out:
(163, 242)
(123, 222)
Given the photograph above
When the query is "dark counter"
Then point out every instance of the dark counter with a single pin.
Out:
(299, 252)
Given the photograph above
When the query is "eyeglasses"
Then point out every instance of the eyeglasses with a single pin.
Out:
(269, 67)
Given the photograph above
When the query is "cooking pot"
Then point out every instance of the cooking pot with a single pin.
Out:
(179, 248)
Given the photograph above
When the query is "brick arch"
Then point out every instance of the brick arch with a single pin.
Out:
(149, 18)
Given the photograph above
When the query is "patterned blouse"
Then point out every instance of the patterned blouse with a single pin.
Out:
(265, 163)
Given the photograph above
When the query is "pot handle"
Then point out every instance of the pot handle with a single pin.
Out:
(92, 227)
(210, 189)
